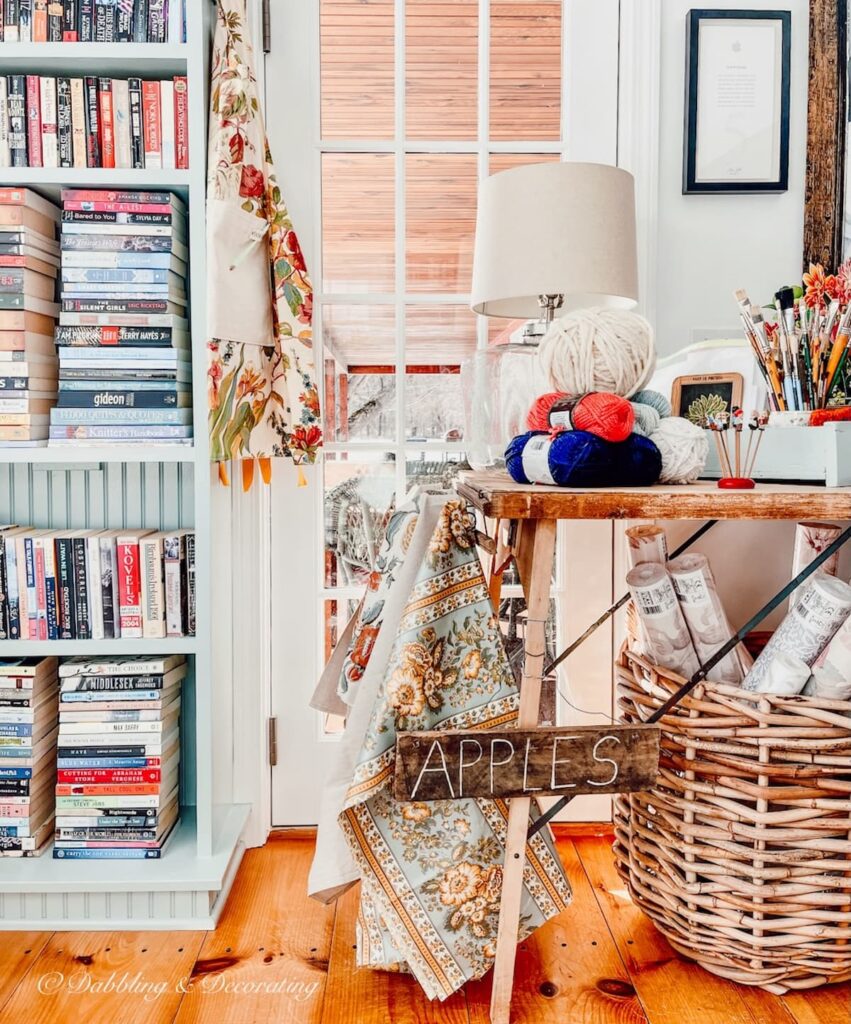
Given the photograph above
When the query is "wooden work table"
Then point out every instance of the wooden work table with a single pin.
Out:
(536, 509)
(496, 495)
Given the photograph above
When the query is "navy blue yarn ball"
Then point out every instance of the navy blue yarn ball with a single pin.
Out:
(579, 459)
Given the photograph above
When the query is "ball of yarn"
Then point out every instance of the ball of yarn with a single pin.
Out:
(607, 416)
(576, 458)
(598, 350)
(655, 399)
(821, 416)
(684, 449)
(646, 419)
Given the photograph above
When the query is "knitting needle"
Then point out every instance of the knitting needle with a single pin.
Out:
(762, 422)
(752, 427)
(738, 423)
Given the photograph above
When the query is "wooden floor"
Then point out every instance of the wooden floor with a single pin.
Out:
(279, 957)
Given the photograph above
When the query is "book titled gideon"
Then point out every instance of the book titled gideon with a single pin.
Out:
(110, 399)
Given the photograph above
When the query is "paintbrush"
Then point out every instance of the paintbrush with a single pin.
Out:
(836, 353)
(785, 299)
(754, 316)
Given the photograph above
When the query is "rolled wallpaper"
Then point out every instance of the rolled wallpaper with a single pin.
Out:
(666, 634)
(647, 543)
(786, 675)
(705, 617)
(808, 628)
(826, 682)
(810, 540)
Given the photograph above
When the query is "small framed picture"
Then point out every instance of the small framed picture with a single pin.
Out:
(706, 394)
(737, 101)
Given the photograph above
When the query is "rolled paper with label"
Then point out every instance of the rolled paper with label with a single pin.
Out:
(827, 683)
(807, 628)
(666, 634)
(647, 543)
(576, 458)
(810, 540)
(705, 617)
(786, 675)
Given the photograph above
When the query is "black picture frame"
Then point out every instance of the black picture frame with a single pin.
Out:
(691, 186)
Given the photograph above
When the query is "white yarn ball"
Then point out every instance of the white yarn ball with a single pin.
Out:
(684, 449)
(598, 350)
(647, 420)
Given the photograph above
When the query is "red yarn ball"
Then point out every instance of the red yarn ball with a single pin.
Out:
(820, 416)
(608, 416)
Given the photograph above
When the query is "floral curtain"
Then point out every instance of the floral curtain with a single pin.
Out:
(263, 399)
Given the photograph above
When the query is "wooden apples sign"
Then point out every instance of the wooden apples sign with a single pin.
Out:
(518, 762)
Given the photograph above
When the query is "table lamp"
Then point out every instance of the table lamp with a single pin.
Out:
(550, 238)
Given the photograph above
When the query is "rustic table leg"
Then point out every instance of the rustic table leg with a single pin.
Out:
(535, 564)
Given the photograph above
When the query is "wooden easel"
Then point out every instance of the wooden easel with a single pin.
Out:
(534, 512)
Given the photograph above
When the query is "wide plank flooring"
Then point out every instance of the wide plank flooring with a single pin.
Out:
(279, 957)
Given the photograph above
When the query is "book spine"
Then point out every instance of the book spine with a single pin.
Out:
(55, 20)
(156, 21)
(5, 148)
(34, 121)
(181, 123)
(97, 684)
(107, 584)
(4, 595)
(151, 121)
(93, 157)
(153, 604)
(104, 22)
(95, 587)
(110, 399)
(63, 122)
(11, 22)
(17, 106)
(129, 587)
(49, 122)
(81, 590)
(13, 597)
(40, 590)
(113, 776)
(87, 21)
(39, 21)
(70, 32)
(124, 21)
(190, 584)
(50, 590)
(25, 20)
(32, 600)
(65, 583)
(79, 142)
(121, 112)
(137, 134)
(106, 121)
(167, 124)
(174, 554)
(140, 23)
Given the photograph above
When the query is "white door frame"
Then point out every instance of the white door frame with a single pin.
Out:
(278, 528)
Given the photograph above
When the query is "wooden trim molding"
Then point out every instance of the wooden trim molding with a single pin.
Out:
(561, 830)
(825, 185)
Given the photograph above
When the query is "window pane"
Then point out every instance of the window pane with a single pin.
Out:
(357, 222)
(439, 334)
(359, 334)
(357, 69)
(505, 161)
(434, 472)
(525, 70)
(358, 496)
(434, 405)
(441, 56)
(441, 216)
(363, 404)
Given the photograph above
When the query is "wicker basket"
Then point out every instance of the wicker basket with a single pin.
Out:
(741, 854)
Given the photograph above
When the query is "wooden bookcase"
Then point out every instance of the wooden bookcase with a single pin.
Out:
(157, 487)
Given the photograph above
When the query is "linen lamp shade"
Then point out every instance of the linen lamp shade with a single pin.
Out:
(565, 229)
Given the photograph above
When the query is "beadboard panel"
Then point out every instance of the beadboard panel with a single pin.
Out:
(107, 495)
(168, 910)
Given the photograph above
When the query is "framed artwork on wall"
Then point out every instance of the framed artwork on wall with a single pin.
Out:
(737, 101)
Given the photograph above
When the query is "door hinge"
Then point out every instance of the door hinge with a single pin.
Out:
(273, 742)
(267, 26)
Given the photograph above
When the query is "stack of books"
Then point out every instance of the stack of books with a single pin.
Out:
(117, 776)
(125, 371)
(93, 21)
(29, 258)
(49, 121)
(96, 584)
(28, 731)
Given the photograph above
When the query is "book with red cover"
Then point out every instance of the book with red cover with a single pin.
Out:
(152, 124)
(107, 123)
(92, 122)
(34, 121)
(129, 584)
(181, 123)
(39, 24)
